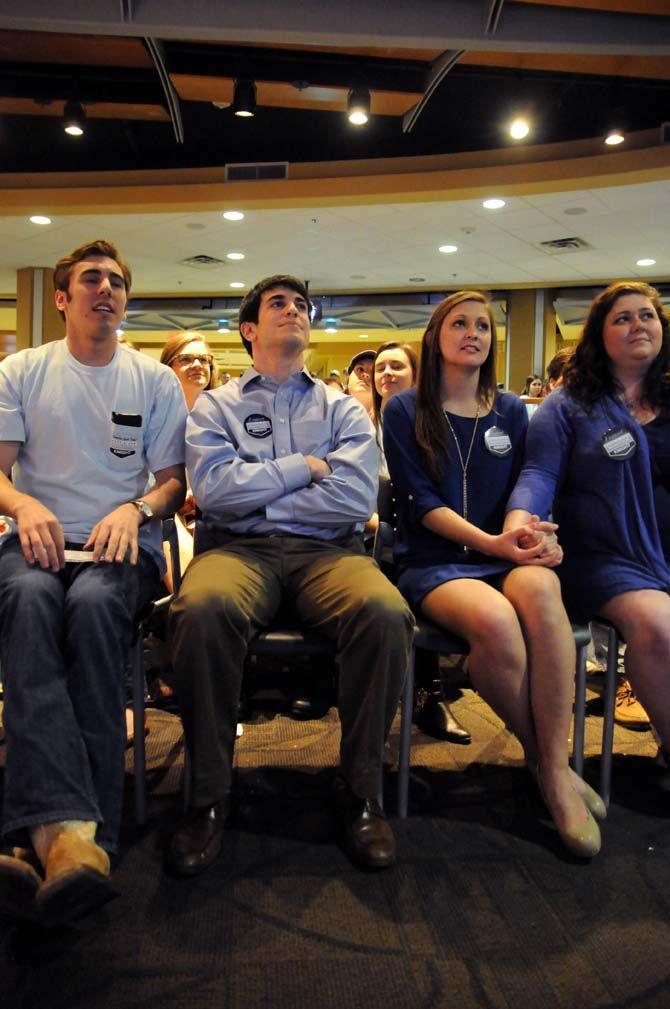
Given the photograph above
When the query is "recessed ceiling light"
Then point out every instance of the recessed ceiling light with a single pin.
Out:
(575, 211)
(448, 248)
(196, 226)
(519, 129)
(493, 204)
(40, 219)
(223, 329)
(235, 255)
(363, 336)
(646, 262)
(236, 283)
(614, 137)
(330, 329)
(233, 215)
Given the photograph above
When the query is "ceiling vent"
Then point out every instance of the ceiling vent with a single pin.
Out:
(558, 245)
(260, 172)
(202, 262)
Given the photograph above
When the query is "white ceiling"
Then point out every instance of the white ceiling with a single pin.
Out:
(380, 247)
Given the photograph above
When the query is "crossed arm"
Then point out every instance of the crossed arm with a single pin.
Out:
(114, 538)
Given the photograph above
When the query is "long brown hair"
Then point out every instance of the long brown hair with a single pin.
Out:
(176, 343)
(432, 434)
(410, 354)
(588, 376)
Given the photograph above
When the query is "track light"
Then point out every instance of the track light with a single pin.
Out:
(358, 106)
(519, 128)
(74, 119)
(614, 137)
(244, 98)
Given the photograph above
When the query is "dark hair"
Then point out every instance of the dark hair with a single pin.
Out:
(432, 434)
(251, 302)
(558, 363)
(174, 345)
(99, 247)
(588, 376)
(529, 379)
(410, 354)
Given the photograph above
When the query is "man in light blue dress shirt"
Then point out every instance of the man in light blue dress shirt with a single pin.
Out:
(284, 470)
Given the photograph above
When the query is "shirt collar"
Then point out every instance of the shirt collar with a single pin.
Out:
(251, 376)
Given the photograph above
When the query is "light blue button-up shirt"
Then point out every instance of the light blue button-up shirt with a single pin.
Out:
(246, 444)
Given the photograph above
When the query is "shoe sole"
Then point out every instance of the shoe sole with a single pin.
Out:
(64, 900)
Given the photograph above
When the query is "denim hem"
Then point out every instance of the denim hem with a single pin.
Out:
(47, 816)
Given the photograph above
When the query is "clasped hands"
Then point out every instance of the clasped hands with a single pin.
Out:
(534, 542)
(113, 539)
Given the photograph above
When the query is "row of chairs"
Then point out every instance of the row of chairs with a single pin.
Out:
(288, 642)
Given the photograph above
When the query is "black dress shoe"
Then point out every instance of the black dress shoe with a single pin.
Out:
(197, 841)
(364, 832)
(436, 719)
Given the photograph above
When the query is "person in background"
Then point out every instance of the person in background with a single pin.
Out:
(532, 388)
(598, 454)
(395, 367)
(454, 448)
(556, 367)
(193, 363)
(93, 437)
(359, 380)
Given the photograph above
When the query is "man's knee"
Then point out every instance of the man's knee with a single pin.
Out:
(205, 607)
(382, 610)
(31, 591)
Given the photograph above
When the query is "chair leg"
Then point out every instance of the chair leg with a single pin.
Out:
(139, 746)
(187, 781)
(407, 704)
(608, 714)
(580, 712)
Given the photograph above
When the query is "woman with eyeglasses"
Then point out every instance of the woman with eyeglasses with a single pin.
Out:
(454, 448)
(191, 360)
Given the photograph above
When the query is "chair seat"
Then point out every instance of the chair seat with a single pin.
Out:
(435, 639)
(289, 641)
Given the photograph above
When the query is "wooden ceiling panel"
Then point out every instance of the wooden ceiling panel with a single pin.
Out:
(652, 67)
(613, 6)
(80, 50)
(99, 110)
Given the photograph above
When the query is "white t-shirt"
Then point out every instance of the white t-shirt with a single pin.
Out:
(92, 436)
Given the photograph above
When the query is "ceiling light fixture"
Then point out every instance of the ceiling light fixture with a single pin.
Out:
(363, 336)
(223, 329)
(236, 283)
(646, 262)
(234, 255)
(358, 106)
(244, 98)
(233, 215)
(330, 329)
(74, 119)
(447, 249)
(493, 204)
(519, 128)
(614, 137)
(40, 219)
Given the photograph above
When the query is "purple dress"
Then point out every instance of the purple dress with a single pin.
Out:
(424, 559)
(603, 502)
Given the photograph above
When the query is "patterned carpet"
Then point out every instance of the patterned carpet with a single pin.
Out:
(484, 908)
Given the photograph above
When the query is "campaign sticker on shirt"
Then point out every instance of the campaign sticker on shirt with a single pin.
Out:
(257, 425)
(124, 434)
(619, 444)
(498, 442)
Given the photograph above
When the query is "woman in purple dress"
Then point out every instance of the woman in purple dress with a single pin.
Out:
(598, 454)
(454, 448)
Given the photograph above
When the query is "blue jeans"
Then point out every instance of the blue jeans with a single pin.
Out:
(64, 645)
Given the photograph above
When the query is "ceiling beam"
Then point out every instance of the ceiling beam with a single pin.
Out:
(454, 24)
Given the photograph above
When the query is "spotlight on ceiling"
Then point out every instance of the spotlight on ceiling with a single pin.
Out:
(244, 98)
(358, 106)
(519, 128)
(614, 137)
(74, 119)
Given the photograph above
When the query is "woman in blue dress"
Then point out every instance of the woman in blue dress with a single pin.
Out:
(598, 454)
(454, 448)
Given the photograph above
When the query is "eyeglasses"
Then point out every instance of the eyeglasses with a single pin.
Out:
(187, 360)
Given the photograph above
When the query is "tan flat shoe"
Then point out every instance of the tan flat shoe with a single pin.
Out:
(77, 879)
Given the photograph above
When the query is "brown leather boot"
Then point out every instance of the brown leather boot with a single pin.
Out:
(77, 879)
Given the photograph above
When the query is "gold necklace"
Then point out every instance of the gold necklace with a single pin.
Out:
(464, 465)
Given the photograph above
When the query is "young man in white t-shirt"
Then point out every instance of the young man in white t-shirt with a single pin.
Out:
(91, 458)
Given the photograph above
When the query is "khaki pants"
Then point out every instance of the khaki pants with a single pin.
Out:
(231, 592)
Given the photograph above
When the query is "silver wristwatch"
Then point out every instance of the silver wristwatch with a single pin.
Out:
(146, 511)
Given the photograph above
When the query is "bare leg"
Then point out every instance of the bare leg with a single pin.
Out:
(535, 594)
(497, 662)
(643, 620)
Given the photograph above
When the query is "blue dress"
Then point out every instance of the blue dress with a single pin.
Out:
(424, 559)
(604, 505)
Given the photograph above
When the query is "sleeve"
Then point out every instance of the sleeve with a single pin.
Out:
(349, 493)
(222, 481)
(164, 439)
(409, 478)
(548, 447)
(12, 420)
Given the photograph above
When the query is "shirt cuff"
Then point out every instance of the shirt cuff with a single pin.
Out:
(294, 471)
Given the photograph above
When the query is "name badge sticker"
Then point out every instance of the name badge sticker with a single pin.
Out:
(498, 442)
(618, 444)
(257, 425)
(125, 434)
